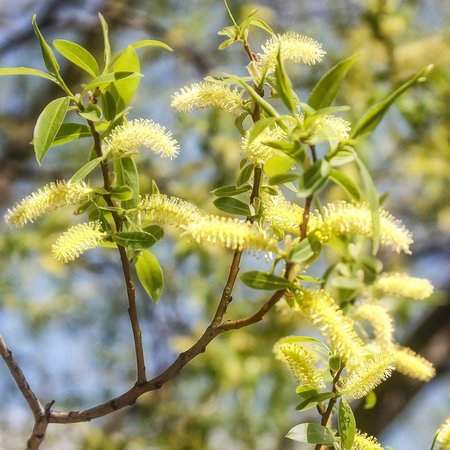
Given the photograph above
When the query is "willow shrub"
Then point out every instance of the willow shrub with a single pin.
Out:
(292, 148)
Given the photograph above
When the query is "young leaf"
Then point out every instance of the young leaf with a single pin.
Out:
(47, 126)
(150, 274)
(278, 165)
(69, 132)
(232, 206)
(373, 116)
(245, 175)
(311, 433)
(373, 202)
(77, 55)
(91, 112)
(314, 177)
(282, 178)
(325, 91)
(313, 400)
(346, 424)
(127, 175)
(26, 71)
(155, 230)
(265, 281)
(49, 57)
(346, 183)
(121, 192)
(151, 43)
(371, 400)
(137, 240)
(107, 47)
(104, 80)
(284, 85)
(85, 170)
(305, 250)
(231, 190)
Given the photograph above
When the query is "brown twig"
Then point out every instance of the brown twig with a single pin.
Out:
(126, 268)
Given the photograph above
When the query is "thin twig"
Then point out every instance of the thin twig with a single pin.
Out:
(126, 268)
(308, 201)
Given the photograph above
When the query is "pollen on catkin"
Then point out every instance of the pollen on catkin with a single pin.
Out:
(365, 442)
(443, 437)
(343, 218)
(366, 376)
(257, 151)
(301, 363)
(320, 307)
(165, 210)
(381, 321)
(409, 363)
(127, 139)
(293, 47)
(230, 233)
(49, 198)
(207, 95)
(339, 127)
(403, 285)
(76, 240)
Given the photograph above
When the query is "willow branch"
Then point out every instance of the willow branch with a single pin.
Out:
(126, 268)
(308, 201)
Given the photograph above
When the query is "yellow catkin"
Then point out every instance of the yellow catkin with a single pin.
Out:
(381, 321)
(339, 127)
(443, 437)
(76, 240)
(366, 376)
(128, 138)
(207, 95)
(293, 47)
(320, 307)
(230, 233)
(340, 218)
(257, 151)
(365, 442)
(49, 198)
(403, 285)
(301, 363)
(165, 210)
(409, 363)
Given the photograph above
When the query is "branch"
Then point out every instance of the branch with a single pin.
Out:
(40, 414)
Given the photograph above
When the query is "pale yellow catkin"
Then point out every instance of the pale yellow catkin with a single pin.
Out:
(401, 284)
(443, 437)
(365, 442)
(409, 363)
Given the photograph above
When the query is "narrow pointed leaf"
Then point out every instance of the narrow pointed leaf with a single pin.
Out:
(284, 85)
(137, 240)
(26, 71)
(325, 91)
(346, 183)
(311, 433)
(47, 126)
(49, 57)
(150, 275)
(107, 46)
(265, 281)
(78, 55)
(81, 173)
(346, 424)
(151, 43)
(232, 206)
(372, 118)
(127, 174)
(69, 132)
(104, 80)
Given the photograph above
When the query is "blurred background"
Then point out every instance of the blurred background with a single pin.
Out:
(68, 325)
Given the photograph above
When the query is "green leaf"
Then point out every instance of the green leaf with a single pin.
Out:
(314, 178)
(137, 240)
(151, 43)
(278, 165)
(104, 80)
(282, 178)
(284, 85)
(346, 183)
(155, 230)
(346, 424)
(232, 206)
(370, 400)
(26, 71)
(335, 363)
(313, 400)
(107, 46)
(373, 116)
(49, 57)
(265, 281)
(108, 105)
(259, 127)
(372, 193)
(261, 24)
(85, 170)
(69, 132)
(127, 175)
(121, 192)
(150, 274)
(124, 90)
(47, 126)
(231, 190)
(245, 174)
(311, 433)
(91, 112)
(325, 91)
(346, 283)
(77, 55)
(305, 250)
